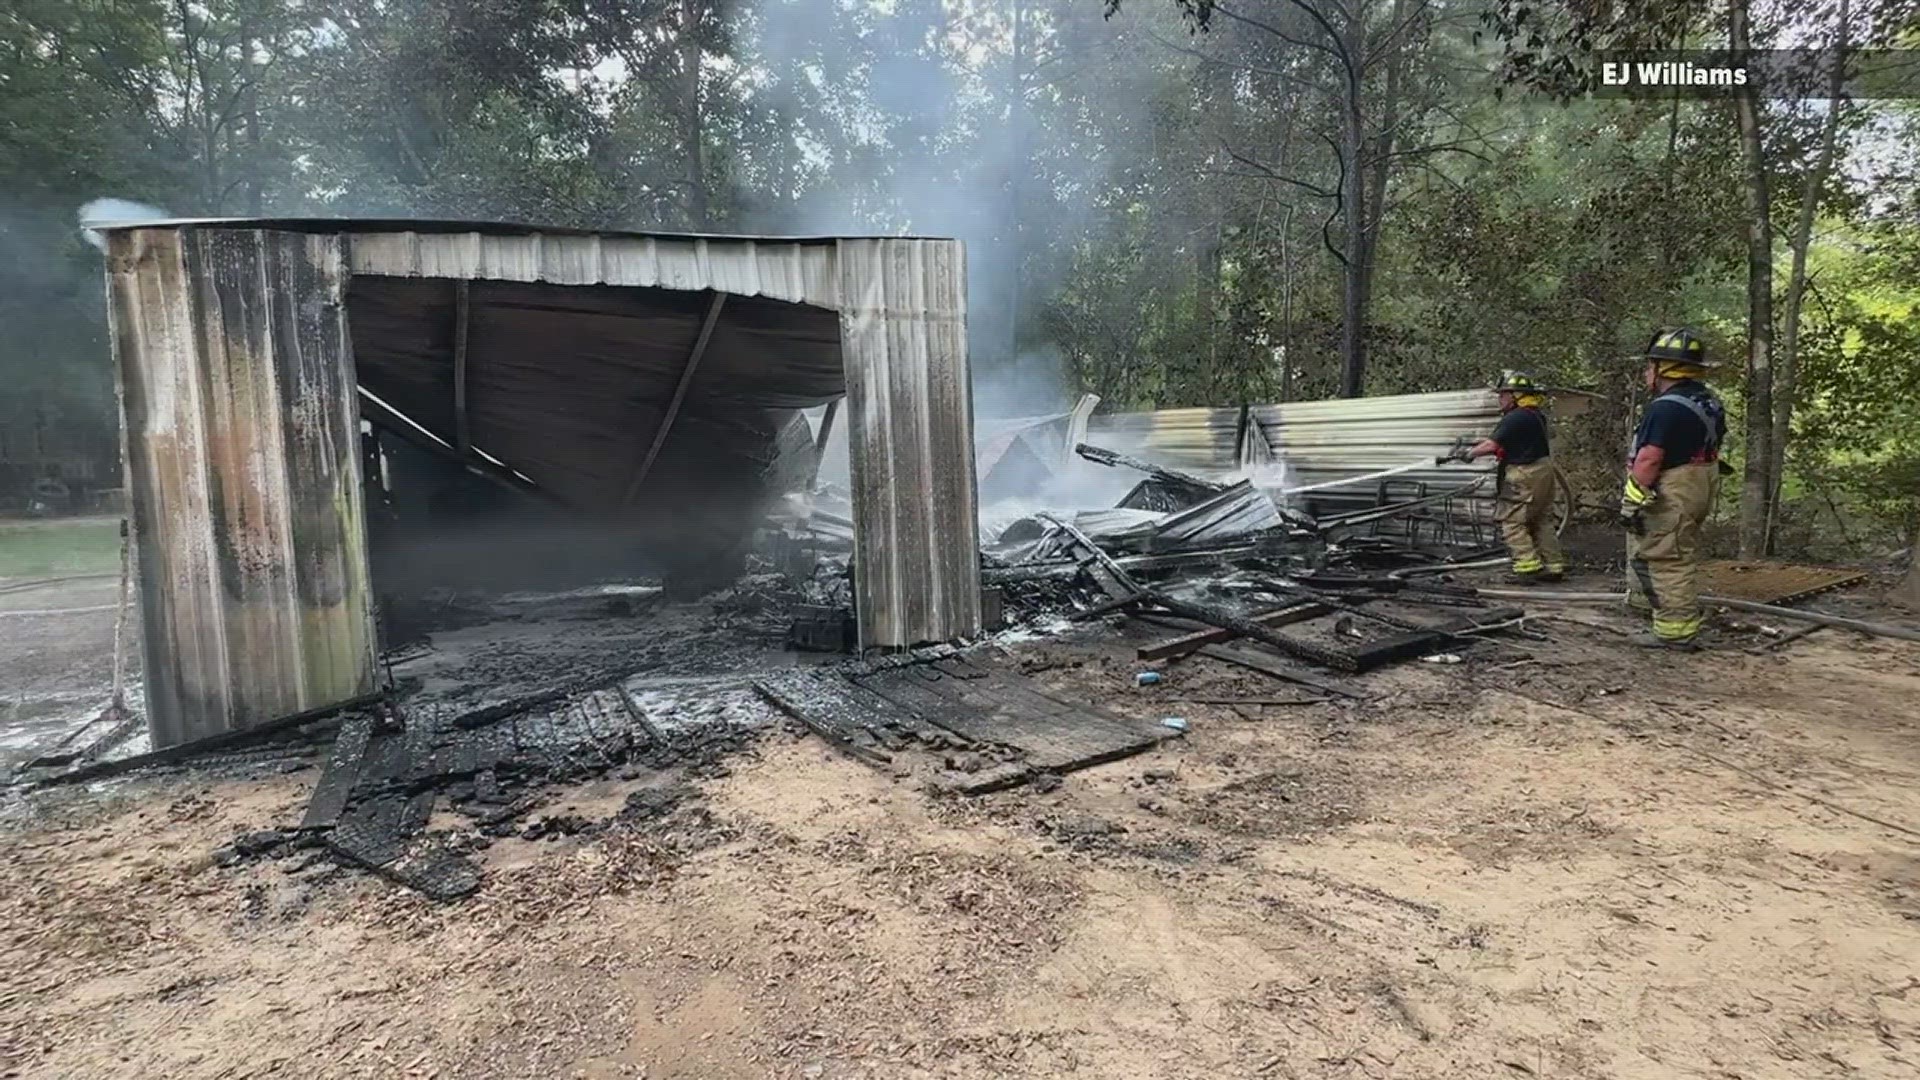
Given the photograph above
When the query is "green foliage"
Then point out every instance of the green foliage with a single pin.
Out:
(1150, 195)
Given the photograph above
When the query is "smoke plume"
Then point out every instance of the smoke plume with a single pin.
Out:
(103, 212)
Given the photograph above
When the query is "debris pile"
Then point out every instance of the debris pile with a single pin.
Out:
(1241, 561)
(389, 767)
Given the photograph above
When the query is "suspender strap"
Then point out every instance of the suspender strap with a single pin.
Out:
(1712, 441)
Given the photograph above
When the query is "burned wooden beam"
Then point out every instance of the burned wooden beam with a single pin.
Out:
(1273, 666)
(1247, 628)
(1194, 642)
(1007, 575)
(393, 421)
(820, 442)
(1113, 580)
(1117, 604)
(462, 319)
(679, 396)
(1102, 456)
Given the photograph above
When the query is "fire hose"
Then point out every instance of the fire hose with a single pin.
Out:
(1423, 463)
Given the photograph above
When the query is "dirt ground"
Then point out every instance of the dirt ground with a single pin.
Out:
(1576, 865)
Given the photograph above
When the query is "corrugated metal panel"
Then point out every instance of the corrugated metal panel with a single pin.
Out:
(903, 337)
(1197, 440)
(1328, 440)
(1317, 440)
(792, 271)
(353, 226)
(237, 391)
(1238, 511)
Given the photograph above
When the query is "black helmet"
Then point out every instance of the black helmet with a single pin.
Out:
(1519, 382)
(1681, 346)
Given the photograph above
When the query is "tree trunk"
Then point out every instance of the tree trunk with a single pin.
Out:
(1286, 306)
(1380, 165)
(1908, 591)
(1802, 239)
(692, 121)
(1353, 193)
(1757, 485)
(1669, 167)
(1020, 167)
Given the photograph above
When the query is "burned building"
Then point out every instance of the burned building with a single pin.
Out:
(644, 389)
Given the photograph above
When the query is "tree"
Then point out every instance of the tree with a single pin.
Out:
(1358, 57)
(1813, 189)
(1756, 487)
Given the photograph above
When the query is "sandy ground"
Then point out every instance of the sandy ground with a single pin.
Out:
(1578, 866)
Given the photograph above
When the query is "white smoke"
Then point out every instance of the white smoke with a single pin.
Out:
(101, 212)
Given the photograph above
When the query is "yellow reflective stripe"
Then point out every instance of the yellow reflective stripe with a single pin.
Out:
(1676, 629)
(1529, 565)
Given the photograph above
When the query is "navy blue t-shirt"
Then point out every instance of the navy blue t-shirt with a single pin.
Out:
(1676, 429)
(1521, 436)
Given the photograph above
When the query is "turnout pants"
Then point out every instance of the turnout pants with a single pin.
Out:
(1663, 566)
(1525, 512)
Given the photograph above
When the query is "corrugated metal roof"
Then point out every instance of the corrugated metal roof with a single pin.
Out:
(243, 457)
(357, 225)
(800, 272)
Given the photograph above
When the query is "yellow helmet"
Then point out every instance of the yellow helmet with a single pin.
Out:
(1679, 353)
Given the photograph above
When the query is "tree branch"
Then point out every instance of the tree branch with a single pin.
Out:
(1339, 202)
(1336, 50)
(1271, 174)
(1237, 65)
(1387, 41)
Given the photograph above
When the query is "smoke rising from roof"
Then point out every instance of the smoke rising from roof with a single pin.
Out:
(102, 212)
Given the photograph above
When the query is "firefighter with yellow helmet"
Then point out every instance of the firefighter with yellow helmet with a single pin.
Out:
(1527, 480)
(1673, 474)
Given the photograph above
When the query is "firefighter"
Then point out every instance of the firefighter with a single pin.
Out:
(1673, 473)
(1526, 479)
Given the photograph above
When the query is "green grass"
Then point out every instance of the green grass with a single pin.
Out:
(33, 549)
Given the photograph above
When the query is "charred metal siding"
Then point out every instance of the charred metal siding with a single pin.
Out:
(238, 402)
(210, 345)
(910, 440)
(902, 309)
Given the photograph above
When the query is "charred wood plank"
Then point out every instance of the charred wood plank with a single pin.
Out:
(1113, 580)
(821, 703)
(1052, 735)
(1241, 655)
(341, 774)
(1102, 456)
(1188, 643)
(1247, 628)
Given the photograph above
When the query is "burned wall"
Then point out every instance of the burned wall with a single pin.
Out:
(244, 473)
